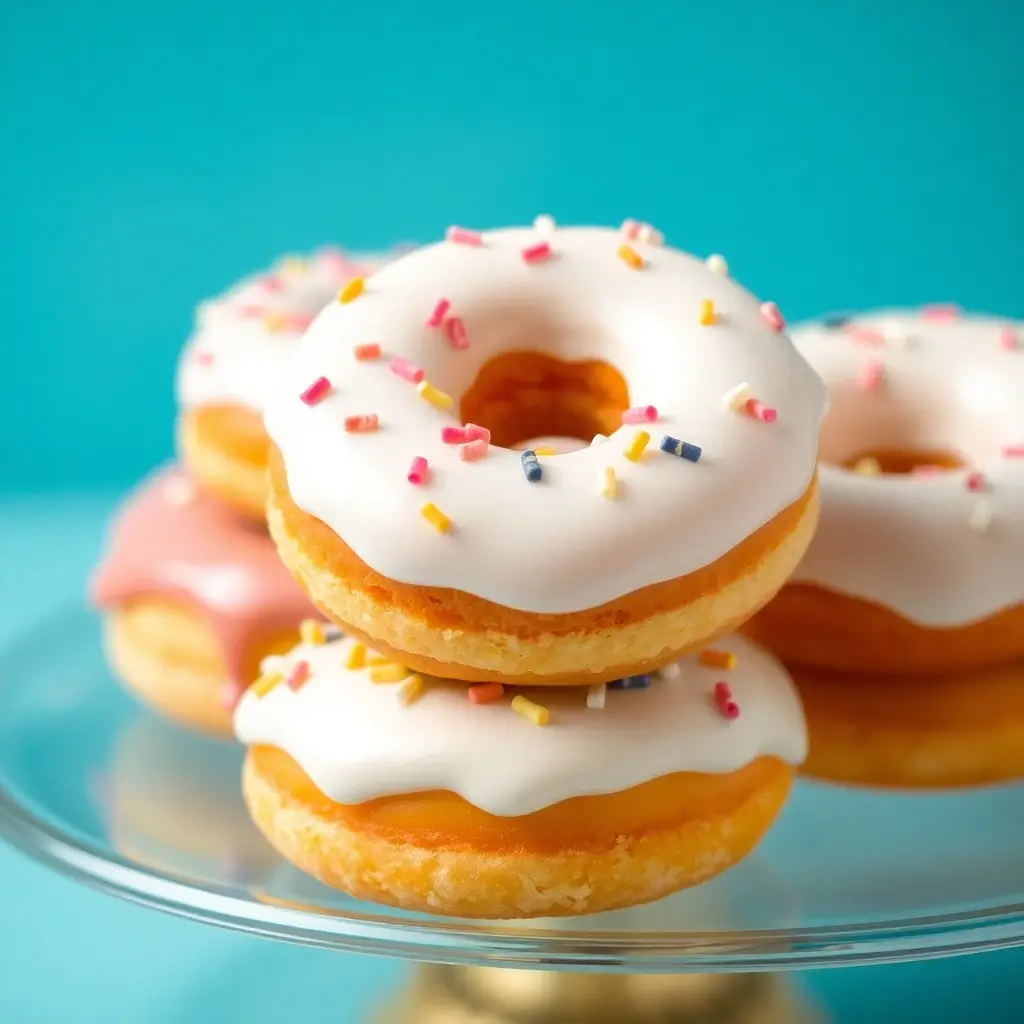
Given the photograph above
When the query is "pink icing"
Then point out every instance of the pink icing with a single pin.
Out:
(170, 539)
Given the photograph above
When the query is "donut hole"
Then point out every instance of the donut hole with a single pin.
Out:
(527, 394)
(903, 461)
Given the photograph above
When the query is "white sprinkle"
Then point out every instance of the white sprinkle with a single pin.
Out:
(898, 335)
(717, 265)
(670, 671)
(274, 663)
(649, 235)
(737, 397)
(597, 439)
(544, 225)
(981, 516)
(179, 491)
(595, 696)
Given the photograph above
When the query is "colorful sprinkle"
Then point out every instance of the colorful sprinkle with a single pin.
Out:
(940, 312)
(266, 683)
(417, 470)
(477, 433)
(364, 423)
(407, 371)
(474, 451)
(535, 713)
(454, 435)
(640, 414)
(865, 335)
(356, 656)
(724, 702)
(544, 450)
(596, 696)
(332, 632)
(298, 676)
(436, 317)
(410, 691)
(392, 672)
(760, 411)
(717, 659)
(203, 358)
(636, 446)
(537, 253)
(772, 317)
(531, 466)
(609, 484)
(707, 313)
(352, 290)
(670, 671)
(455, 330)
(275, 322)
(463, 236)
(437, 519)
(897, 334)
(1009, 340)
(316, 392)
(871, 375)
(484, 693)
(366, 352)
(737, 398)
(867, 467)
(377, 659)
(630, 257)
(630, 683)
(834, 321)
(975, 481)
(544, 224)
(438, 399)
(630, 228)
(980, 518)
(717, 265)
(685, 450)
(311, 632)
(1014, 451)
(649, 235)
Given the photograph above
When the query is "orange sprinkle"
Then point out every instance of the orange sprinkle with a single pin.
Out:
(631, 257)
(484, 693)
(707, 312)
(352, 290)
(364, 352)
(717, 659)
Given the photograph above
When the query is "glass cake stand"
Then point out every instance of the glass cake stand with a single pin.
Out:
(100, 790)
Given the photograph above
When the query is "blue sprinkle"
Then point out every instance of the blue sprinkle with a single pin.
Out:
(332, 632)
(531, 467)
(683, 449)
(835, 320)
(630, 683)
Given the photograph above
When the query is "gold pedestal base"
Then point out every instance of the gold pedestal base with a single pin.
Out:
(491, 995)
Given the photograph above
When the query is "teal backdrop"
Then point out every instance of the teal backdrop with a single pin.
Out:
(839, 154)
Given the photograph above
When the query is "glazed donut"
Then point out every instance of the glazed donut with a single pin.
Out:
(193, 599)
(407, 793)
(918, 562)
(398, 500)
(240, 342)
(931, 731)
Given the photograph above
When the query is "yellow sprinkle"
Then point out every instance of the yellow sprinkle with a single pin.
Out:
(437, 519)
(867, 467)
(291, 265)
(411, 690)
(311, 632)
(438, 399)
(609, 485)
(543, 450)
(536, 713)
(717, 659)
(636, 447)
(707, 312)
(352, 290)
(737, 398)
(631, 257)
(390, 673)
(356, 656)
(265, 684)
(376, 659)
(274, 321)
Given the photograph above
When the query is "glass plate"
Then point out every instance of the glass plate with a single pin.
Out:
(101, 790)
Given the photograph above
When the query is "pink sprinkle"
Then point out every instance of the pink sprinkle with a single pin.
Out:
(437, 313)
(418, 470)
(337, 264)
(630, 229)
(975, 481)
(537, 253)
(1014, 451)
(316, 391)
(365, 352)
(299, 321)
(940, 313)
(362, 424)
(456, 331)
(1008, 340)
(251, 310)
(771, 316)
(271, 284)
(203, 358)
(640, 414)
(298, 675)
(474, 450)
(406, 370)
(463, 236)
(865, 335)
(871, 375)
(723, 698)
(454, 435)
(760, 411)
(926, 470)
(475, 433)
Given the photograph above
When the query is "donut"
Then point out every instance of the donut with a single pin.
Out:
(480, 802)
(918, 563)
(400, 500)
(931, 731)
(193, 598)
(240, 341)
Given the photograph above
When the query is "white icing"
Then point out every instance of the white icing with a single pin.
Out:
(556, 546)
(233, 353)
(926, 547)
(357, 742)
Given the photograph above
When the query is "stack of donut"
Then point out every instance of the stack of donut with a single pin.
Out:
(534, 478)
(193, 592)
(904, 624)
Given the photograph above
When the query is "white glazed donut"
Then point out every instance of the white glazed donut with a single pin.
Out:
(931, 562)
(683, 337)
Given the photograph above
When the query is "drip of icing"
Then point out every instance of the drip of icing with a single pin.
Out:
(357, 742)
(243, 336)
(536, 548)
(906, 541)
(170, 539)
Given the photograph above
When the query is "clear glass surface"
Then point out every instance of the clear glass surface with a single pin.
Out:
(100, 789)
